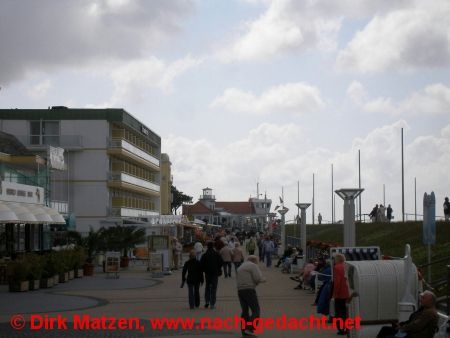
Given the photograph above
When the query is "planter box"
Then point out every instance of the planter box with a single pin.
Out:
(34, 284)
(46, 283)
(71, 274)
(18, 286)
(56, 280)
(64, 277)
(88, 269)
(79, 273)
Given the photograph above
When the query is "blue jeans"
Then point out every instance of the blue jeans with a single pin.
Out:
(268, 257)
(211, 289)
(194, 295)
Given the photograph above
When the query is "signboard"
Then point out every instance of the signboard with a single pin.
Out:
(56, 158)
(158, 242)
(112, 263)
(23, 193)
(429, 219)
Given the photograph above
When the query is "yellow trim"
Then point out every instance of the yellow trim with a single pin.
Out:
(132, 187)
(33, 159)
(80, 181)
(120, 152)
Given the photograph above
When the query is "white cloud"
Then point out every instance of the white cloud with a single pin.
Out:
(40, 90)
(286, 26)
(296, 98)
(292, 26)
(433, 100)
(356, 92)
(408, 38)
(232, 171)
(134, 79)
(82, 32)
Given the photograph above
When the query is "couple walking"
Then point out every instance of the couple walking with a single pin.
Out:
(207, 271)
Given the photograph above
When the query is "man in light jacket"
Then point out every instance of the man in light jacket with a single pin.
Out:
(248, 277)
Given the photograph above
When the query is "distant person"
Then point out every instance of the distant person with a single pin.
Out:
(259, 243)
(268, 247)
(340, 291)
(248, 277)
(176, 253)
(225, 253)
(237, 256)
(194, 279)
(389, 213)
(198, 248)
(251, 246)
(374, 213)
(212, 267)
(422, 323)
(319, 218)
(446, 209)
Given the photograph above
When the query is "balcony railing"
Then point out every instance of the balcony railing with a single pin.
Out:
(123, 177)
(42, 141)
(134, 150)
(61, 206)
(129, 212)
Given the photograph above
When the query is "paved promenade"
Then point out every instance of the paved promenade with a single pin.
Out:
(136, 294)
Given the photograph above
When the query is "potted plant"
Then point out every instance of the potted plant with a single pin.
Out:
(91, 244)
(35, 263)
(48, 272)
(79, 260)
(122, 239)
(18, 275)
(63, 266)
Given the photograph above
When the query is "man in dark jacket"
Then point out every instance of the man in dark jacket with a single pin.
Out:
(194, 278)
(211, 263)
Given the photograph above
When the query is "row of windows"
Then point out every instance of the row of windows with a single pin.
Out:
(136, 140)
(134, 203)
(132, 169)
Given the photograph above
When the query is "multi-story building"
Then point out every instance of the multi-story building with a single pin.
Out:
(113, 161)
(251, 214)
(166, 185)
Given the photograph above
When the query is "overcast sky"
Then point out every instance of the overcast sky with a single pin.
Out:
(253, 90)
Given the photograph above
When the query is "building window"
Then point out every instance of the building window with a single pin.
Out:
(44, 133)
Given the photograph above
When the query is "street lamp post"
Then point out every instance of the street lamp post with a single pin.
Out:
(283, 212)
(349, 195)
(303, 207)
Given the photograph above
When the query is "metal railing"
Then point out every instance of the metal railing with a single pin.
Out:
(42, 141)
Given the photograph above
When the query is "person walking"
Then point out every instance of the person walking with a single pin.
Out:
(446, 209)
(319, 218)
(251, 246)
(381, 213)
(389, 213)
(237, 256)
(211, 263)
(340, 291)
(176, 253)
(248, 277)
(198, 248)
(194, 279)
(268, 249)
(225, 254)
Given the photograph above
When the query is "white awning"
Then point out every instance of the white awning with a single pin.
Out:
(15, 212)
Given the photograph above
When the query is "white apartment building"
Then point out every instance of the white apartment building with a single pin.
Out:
(113, 161)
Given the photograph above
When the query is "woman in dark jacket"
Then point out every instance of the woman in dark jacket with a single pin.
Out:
(194, 279)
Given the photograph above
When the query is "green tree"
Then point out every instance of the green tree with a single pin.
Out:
(122, 238)
(179, 198)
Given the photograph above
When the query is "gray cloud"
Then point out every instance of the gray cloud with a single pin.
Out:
(45, 35)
